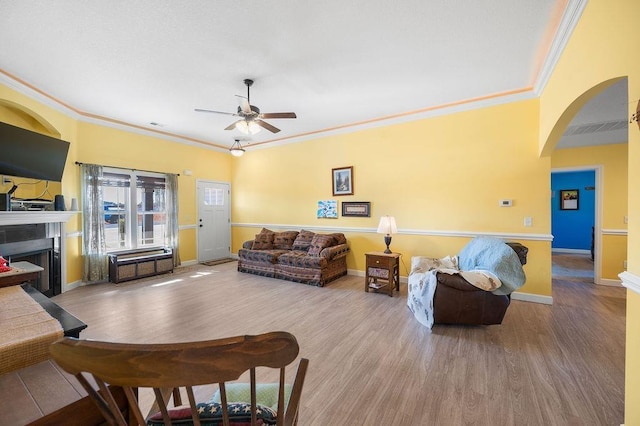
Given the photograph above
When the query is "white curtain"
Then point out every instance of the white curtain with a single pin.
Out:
(171, 193)
(94, 244)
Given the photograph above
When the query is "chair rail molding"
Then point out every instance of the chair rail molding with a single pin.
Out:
(435, 233)
(630, 281)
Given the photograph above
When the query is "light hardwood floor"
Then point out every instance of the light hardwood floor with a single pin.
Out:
(371, 362)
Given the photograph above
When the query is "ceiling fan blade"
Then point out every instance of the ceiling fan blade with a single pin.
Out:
(267, 126)
(244, 104)
(214, 112)
(232, 125)
(279, 115)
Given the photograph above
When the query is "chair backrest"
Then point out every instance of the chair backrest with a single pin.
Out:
(168, 367)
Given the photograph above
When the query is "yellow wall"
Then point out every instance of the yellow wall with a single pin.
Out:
(91, 143)
(603, 48)
(613, 159)
(443, 175)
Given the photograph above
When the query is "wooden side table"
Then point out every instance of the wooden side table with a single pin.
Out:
(382, 272)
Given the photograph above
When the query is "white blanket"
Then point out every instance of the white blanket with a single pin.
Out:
(423, 280)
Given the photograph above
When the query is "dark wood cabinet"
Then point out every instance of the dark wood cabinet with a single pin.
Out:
(382, 272)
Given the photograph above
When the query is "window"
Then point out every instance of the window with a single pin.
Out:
(135, 211)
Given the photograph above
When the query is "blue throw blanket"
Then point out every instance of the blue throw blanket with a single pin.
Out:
(493, 255)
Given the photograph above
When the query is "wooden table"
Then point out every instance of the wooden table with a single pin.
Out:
(22, 272)
(382, 272)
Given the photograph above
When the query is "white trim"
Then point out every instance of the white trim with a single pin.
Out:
(630, 281)
(438, 233)
(37, 96)
(609, 282)
(188, 262)
(75, 234)
(75, 284)
(535, 298)
(599, 179)
(22, 217)
(614, 232)
(571, 251)
(570, 18)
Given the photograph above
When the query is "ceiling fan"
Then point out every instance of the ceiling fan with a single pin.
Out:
(251, 119)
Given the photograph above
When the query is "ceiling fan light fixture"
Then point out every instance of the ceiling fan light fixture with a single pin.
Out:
(248, 127)
(236, 149)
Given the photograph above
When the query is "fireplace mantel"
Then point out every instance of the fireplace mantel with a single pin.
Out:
(22, 217)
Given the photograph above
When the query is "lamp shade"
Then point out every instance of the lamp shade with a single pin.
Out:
(248, 127)
(236, 149)
(387, 225)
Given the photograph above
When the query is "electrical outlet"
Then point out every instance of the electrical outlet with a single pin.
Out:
(625, 265)
(528, 221)
(626, 219)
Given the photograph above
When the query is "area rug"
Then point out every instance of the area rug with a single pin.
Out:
(218, 262)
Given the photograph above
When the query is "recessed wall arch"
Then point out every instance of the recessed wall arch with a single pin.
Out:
(21, 116)
(570, 112)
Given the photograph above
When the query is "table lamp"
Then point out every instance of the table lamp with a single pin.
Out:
(387, 226)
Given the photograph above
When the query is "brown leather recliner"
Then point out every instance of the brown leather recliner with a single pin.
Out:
(457, 302)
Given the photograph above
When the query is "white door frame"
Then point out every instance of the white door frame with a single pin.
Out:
(597, 233)
(198, 215)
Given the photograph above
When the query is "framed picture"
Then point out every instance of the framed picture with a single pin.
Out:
(569, 199)
(359, 209)
(327, 209)
(342, 179)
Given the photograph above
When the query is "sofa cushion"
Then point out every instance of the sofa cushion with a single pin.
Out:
(263, 241)
(267, 256)
(284, 240)
(320, 242)
(301, 259)
(210, 413)
(303, 240)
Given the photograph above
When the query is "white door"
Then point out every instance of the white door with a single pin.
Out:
(214, 220)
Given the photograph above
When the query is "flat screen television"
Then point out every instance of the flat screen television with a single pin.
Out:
(28, 154)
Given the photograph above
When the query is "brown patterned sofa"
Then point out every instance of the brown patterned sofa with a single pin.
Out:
(305, 257)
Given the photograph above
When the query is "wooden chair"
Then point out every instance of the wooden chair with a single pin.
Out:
(168, 367)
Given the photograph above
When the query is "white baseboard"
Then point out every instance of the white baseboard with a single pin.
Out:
(570, 251)
(525, 297)
(75, 284)
(535, 298)
(609, 282)
(188, 262)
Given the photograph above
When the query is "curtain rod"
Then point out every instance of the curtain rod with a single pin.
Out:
(125, 168)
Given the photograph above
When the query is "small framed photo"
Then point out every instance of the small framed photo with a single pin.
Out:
(356, 209)
(327, 209)
(342, 181)
(569, 199)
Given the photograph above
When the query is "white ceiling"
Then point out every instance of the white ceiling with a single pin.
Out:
(339, 65)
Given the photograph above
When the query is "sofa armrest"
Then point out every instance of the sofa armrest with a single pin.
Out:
(456, 281)
(335, 252)
(247, 244)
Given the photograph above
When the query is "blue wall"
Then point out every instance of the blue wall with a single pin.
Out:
(571, 229)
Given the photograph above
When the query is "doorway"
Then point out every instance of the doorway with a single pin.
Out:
(575, 223)
(214, 220)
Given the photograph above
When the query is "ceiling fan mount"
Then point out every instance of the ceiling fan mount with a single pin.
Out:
(251, 119)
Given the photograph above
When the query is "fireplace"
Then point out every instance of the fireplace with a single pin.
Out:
(39, 244)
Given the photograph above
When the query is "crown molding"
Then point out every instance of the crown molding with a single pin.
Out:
(570, 18)
(630, 281)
